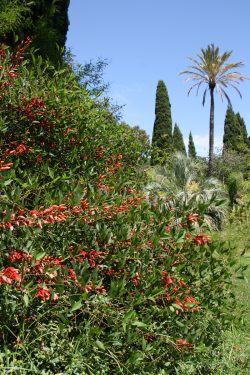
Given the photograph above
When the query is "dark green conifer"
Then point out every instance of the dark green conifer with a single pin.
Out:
(235, 132)
(178, 142)
(230, 130)
(162, 132)
(242, 128)
(191, 147)
(45, 21)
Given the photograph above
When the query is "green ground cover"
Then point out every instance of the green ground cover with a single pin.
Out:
(236, 356)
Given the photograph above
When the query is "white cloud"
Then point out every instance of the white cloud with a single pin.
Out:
(201, 143)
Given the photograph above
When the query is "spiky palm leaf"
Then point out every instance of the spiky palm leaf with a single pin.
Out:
(212, 70)
(185, 184)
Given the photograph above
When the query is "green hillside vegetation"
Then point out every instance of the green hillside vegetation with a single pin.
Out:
(117, 256)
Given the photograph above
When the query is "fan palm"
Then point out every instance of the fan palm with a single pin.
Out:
(213, 70)
(185, 183)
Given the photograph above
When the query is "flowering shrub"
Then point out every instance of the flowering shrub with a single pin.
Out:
(87, 260)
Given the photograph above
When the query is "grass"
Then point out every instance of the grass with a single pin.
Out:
(236, 347)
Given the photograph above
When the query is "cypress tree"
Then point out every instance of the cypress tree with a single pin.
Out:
(242, 128)
(191, 147)
(162, 132)
(230, 130)
(178, 142)
(235, 132)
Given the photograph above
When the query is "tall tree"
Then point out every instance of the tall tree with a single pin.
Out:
(242, 128)
(230, 129)
(178, 142)
(162, 131)
(191, 147)
(212, 69)
(45, 21)
(235, 132)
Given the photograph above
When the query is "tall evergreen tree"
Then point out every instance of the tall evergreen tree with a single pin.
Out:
(45, 21)
(235, 132)
(162, 132)
(230, 129)
(242, 128)
(191, 147)
(178, 142)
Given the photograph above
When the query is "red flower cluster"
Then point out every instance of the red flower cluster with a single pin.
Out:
(11, 71)
(5, 167)
(9, 274)
(21, 149)
(182, 344)
(60, 213)
(2, 53)
(202, 239)
(136, 279)
(44, 294)
(188, 305)
(34, 109)
(47, 270)
(193, 218)
(21, 49)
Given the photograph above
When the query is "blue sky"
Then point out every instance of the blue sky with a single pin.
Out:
(148, 40)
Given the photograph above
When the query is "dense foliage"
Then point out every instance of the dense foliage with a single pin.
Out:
(235, 133)
(46, 21)
(96, 277)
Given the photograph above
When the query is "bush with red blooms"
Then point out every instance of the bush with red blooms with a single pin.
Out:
(90, 267)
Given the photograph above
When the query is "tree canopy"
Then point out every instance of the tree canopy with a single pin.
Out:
(45, 21)
(213, 70)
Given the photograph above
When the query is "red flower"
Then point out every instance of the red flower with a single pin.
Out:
(17, 255)
(72, 274)
(202, 239)
(182, 344)
(5, 167)
(193, 218)
(9, 274)
(43, 293)
(39, 157)
(135, 280)
(166, 279)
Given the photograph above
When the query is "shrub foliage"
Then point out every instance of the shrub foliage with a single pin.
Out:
(95, 277)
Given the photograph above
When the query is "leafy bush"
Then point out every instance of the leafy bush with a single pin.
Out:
(95, 277)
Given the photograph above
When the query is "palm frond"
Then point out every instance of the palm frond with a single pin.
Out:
(226, 96)
(211, 67)
(204, 97)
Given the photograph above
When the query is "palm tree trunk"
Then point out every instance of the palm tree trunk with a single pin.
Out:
(211, 133)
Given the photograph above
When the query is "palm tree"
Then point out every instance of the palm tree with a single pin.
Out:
(212, 69)
(184, 181)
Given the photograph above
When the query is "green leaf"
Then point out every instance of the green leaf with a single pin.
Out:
(26, 300)
(40, 255)
(136, 323)
(177, 306)
(51, 173)
(77, 305)
(100, 344)
(8, 182)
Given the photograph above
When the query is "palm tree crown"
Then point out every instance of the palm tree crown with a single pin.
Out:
(212, 69)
